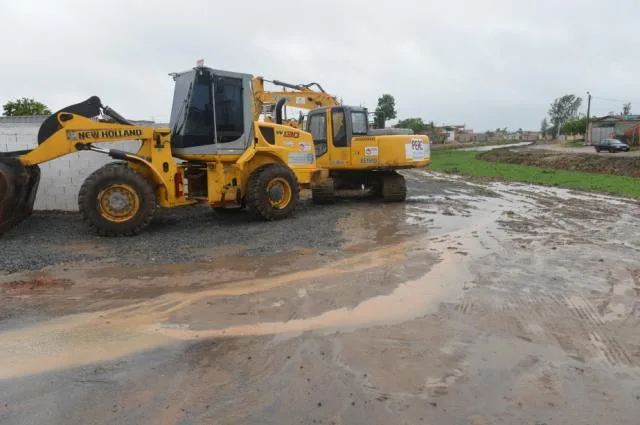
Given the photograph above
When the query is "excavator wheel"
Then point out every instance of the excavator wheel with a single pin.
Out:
(117, 201)
(273, 192)
(324, 193)
(393, 187)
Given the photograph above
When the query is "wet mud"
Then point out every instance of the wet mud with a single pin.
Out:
(471, 303)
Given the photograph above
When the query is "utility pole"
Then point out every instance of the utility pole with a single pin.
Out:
(587, 137)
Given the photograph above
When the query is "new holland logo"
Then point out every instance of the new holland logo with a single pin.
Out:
(104, 134)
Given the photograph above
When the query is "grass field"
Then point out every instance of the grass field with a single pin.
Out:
(466, 163)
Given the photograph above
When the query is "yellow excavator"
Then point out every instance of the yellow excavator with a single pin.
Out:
(213, 152)
(356, 156)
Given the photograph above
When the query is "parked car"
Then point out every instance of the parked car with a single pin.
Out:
(611, 145)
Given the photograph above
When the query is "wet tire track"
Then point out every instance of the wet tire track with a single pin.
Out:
(609, 346)
(543, 318)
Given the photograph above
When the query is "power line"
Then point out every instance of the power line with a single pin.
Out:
(613, 100)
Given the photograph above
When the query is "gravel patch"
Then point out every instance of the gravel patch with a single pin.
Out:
(172, 237)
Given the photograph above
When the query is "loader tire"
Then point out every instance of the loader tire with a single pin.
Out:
(273, 192)
(393, 188)
(115, 200)
(324, 193)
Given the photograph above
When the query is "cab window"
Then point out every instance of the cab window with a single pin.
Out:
(359, 123)
(339, 129)
(318, 129)
(229, 109)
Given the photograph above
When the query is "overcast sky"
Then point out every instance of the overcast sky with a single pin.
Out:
(483, 63)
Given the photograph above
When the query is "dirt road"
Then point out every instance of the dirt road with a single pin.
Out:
(582, 149)
(470, 304)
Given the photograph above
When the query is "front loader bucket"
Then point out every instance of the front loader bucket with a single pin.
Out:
(18, 188)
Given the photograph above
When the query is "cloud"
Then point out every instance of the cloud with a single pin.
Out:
(488, 64)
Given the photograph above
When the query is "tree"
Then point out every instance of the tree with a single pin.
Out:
(415, 124)
(386, 110)
(544, 127)
(574, 126)
(626, 109)
(25, 106)
(562, 109)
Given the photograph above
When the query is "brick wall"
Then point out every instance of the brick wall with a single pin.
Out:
(62, 177)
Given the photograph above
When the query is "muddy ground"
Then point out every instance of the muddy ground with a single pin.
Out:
(622, 164)
(470, 304)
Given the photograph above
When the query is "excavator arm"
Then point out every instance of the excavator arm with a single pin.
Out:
(299, 96)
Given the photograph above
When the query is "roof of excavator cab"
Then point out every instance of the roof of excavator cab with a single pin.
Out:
(345, 107)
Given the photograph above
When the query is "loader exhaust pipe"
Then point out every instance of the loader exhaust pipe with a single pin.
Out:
(18, 188)
(279, 106)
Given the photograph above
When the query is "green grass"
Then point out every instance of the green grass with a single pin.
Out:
(466, 163)
(573, 144)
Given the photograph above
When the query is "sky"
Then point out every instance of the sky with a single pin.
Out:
(483, 63)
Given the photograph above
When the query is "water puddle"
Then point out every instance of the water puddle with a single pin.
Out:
(87, 338)
(492, 147)
(408, 301)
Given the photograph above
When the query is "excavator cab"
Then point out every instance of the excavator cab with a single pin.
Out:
(333, 130)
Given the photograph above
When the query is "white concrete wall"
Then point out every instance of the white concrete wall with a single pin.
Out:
(62, 177)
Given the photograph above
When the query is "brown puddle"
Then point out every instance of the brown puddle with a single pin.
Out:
(88, 338)
(408, 301)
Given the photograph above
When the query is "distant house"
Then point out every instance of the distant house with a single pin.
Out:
(526, 136)
(470, 136)
(451, 132)
(622, 127)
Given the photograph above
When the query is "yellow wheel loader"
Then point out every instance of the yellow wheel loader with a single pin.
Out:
(213, 152)
(358, 157)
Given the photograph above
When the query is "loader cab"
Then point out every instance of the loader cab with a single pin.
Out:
(211, 112)
(333, 129)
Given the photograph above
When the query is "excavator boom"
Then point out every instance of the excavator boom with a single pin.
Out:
(300, 96)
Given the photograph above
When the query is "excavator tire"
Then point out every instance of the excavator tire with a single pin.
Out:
(393, 187)
(324, 194)
(273, 192)
(117, 201)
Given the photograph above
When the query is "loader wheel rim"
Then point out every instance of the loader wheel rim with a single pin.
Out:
(280, 192)
(118, 203)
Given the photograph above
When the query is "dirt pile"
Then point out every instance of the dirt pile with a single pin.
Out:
(622, 166)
